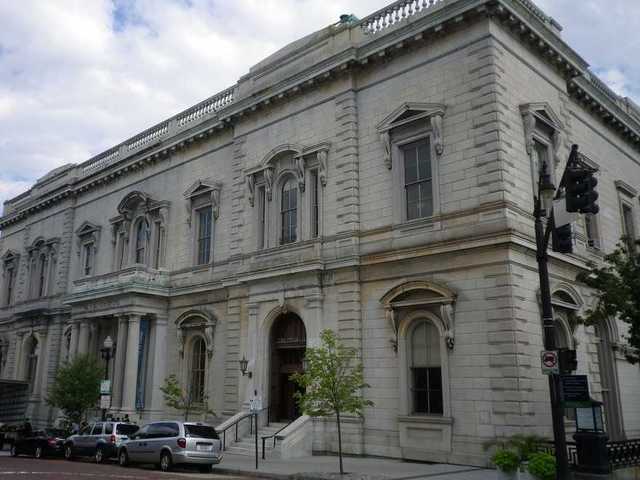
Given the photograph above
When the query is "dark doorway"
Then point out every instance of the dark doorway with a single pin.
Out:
(288, 343)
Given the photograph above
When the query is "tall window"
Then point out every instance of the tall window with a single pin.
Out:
(426, 369)
(418, 182)
(628, 226)
(87, 267)
(204, 235)
(315, 210)
(262, 199)
(9, 279)
(141, 241)
(157, 251)
(42, 275)
(32, 363)
(198, 362)
(289, 212)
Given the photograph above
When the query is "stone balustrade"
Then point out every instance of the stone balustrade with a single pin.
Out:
(136, 277)
(210, 105)
(394, 13)
(148, 136)
(101, 160)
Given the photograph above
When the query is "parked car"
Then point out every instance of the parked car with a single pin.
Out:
(173, 443)
(100, 440)
(40, 443)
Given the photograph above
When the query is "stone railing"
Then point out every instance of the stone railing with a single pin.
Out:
(603, 88)
(394, 13)
(157, 132)
(137, 276)
(210, 105)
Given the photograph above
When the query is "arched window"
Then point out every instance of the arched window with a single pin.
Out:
(32, 363)
(141, 241)
(42, 275)
(425, 369)
(289, 212)
(198, 363)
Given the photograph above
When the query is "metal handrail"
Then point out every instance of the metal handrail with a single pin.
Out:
(274, 436)
(235, 424)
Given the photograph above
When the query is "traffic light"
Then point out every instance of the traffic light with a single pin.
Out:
(580, 190)
(562, 241)
(568, 360)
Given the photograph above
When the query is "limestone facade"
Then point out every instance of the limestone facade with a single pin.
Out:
(287, 200)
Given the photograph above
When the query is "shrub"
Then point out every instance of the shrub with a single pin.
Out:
(506, 460)
(542, 466)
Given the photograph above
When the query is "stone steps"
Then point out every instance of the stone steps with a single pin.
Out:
(246, 444)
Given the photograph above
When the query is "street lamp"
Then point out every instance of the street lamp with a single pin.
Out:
(107, 353)
(244, 363)
(546, 189)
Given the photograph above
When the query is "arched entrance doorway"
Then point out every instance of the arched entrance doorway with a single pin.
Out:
(287, 344)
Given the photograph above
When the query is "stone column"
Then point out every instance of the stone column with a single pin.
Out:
(118, 364)
(73, 345)
(131, 365)
(17, 357)
(159, 358)
(83, 338)
(43, 360)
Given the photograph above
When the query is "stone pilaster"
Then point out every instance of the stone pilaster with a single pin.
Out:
(233, 335)
(83, 338)
(119, 363)
(237, 233)
(159, 354)
(130, 377)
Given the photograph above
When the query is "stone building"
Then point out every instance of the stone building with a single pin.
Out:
(375, 177)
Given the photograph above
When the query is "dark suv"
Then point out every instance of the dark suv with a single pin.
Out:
(100, 440)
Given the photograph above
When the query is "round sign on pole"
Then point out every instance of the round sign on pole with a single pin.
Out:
(549, 362)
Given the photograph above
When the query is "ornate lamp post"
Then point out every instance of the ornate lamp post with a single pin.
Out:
(244, 363)
(107, 354)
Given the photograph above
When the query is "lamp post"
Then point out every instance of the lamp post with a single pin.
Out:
(244, 363)
(543, 203)
(107, 353)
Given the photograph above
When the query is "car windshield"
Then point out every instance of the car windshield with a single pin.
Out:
(201, 431)
(125, 429)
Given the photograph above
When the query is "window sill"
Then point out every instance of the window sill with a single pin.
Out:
(429, 223)
(433, 419)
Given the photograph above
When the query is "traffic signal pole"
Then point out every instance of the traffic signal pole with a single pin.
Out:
(557, 412)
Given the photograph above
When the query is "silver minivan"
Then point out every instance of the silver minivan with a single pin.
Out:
(173, 443)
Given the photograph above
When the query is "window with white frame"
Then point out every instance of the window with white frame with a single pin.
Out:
(87, 237)
(197, 370)
(411, 137)
(205, 217)
(425, 369)
(203, 209)
(289, 211)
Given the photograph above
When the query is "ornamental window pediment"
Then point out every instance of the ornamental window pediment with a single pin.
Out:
(285, 190)
(42, 258)
(10, 262)
(543, 138)
(191, 323)
(87, 243)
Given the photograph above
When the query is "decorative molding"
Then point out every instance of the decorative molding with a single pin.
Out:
(625, 188)
(299, 169)
(250, 183)
(385, 140)
(199, 188)
(268, 182)
(202, 320)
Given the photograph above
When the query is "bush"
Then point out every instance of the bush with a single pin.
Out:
(542, 466)
(506, 460)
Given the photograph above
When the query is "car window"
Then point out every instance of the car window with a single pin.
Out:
(200, 431)
(126, 429)
(86, 430)
(108, 428)
(97, 429)
(167, 429)
(143, 432)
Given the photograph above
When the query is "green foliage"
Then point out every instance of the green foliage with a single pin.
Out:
(523, 445)
(332, 382)
(506, 460)
(182, 399)
(542, 466)
(76, 387)
(617, 284)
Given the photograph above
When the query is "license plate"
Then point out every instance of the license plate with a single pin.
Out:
(204, 447)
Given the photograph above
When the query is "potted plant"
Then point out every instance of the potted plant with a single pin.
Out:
(506, 462)
(542, 466)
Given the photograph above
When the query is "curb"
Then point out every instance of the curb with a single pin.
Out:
(251, 473)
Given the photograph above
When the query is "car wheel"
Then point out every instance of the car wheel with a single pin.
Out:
(123, 458)
(68, 452)
(165, 461)
(99, 456)
(14, 451)
(38, 452)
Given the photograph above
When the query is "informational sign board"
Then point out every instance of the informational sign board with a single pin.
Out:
(105, 402)
(105, 387)
(589, 420)
(574, 391)
(255, 404)
(549, 362)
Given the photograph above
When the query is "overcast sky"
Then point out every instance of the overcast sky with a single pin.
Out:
(79, 76)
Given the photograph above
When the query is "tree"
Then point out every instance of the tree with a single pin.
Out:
(617, 284)
(182, 399)
(76, 387)
(332, 382)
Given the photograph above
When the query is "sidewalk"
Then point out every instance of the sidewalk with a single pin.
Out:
(326, 467)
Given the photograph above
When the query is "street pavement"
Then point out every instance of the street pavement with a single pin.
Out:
(238, 467)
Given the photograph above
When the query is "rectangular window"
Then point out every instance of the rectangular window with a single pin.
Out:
(262, 234)
(427, 390)
(204, 235)
(629, 230)
(418, 182)
(121, 249)
(9, 276)
(88, 259)
(157, 251)
(289, 213)
(315, 207)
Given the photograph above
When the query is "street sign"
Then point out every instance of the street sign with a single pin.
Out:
(105, 387)
(574, 391)
(105, 402)
(255, 404)
(549, 362)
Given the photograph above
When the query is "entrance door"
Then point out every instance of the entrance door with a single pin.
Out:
(288, 343)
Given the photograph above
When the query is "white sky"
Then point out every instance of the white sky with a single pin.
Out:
(79, 76)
